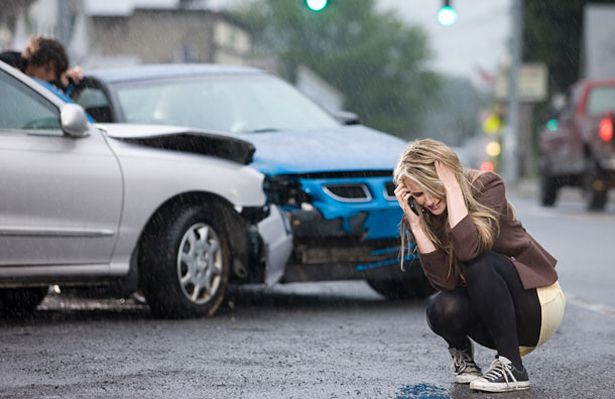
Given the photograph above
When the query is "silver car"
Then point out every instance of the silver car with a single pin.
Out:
(175, 210)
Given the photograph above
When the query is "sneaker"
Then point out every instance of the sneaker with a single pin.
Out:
(502, 376)
(465, 368)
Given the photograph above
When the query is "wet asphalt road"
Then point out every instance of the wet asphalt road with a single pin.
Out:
(331, 340)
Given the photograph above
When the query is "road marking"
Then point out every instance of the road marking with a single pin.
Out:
(595, 307)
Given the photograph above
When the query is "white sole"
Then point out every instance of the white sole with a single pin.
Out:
(466, 379)
(499, 387)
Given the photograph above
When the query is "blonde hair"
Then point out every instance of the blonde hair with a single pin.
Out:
(418, 163)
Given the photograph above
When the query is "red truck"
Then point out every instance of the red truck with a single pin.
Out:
(579, 150)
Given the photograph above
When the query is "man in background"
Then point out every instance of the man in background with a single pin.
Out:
(45, 59)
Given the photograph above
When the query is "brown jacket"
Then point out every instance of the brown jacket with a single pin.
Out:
(533, 263)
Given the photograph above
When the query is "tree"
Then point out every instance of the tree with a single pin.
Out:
(552, 34)
(373, 58)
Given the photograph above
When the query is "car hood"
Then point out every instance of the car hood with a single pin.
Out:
(182, 139)
(347, 148)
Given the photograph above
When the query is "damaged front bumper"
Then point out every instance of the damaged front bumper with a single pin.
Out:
(325, 250)
(277, 239)
(344, 226)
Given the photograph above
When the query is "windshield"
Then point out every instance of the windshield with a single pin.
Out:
(233, 104)
(601, 100)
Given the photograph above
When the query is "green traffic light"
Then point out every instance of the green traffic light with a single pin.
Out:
(447, 15)
(552, 125)
(316, 5)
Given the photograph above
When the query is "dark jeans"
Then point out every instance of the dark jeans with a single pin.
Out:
(494, 309)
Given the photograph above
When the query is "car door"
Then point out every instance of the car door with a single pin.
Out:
(95, 100)
(60, 197)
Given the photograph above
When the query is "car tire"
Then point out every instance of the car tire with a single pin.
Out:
(594, 187)
(184, 262)
(548, 188)
(20, 302)
(417, 287)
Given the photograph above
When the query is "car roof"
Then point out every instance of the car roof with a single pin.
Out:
(156, 71)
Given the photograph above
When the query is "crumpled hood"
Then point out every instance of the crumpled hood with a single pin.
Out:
(183, 139)
(347, 148)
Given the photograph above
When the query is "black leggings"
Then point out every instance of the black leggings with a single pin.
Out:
(494, 309)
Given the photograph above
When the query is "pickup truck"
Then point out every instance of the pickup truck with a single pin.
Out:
(579, 150)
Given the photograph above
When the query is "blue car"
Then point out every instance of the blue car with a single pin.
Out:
(330, 175)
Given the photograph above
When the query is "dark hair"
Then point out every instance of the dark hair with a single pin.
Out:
(42, 51)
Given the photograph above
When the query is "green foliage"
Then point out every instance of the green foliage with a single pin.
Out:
(374, 59)
(552, 34)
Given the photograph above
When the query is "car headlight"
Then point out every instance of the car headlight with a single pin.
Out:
(284, 190)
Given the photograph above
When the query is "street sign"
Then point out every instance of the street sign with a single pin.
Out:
(532, 83)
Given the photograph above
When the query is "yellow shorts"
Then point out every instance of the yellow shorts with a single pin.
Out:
(552, 305)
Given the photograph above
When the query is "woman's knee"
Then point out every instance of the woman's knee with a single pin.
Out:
(446, 308)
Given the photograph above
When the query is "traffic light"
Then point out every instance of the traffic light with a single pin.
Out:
(552, 125)
(316, 5)
(487, 166)
(447, 15)
(493, 149)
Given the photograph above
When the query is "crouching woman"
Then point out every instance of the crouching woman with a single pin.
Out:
(498, 286)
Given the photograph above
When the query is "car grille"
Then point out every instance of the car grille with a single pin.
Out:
(389, 190)
(348, 192)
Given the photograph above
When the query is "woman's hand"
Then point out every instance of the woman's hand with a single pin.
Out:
(447, 176)
(73, 75)
(422, 240)
(455, 202)
(403, 195)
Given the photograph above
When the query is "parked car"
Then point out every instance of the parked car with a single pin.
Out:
(331, 177)
(578, 148)
(176, 210)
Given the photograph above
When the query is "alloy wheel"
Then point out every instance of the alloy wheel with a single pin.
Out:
(199, 263)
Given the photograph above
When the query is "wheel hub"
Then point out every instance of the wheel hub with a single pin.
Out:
(199, 263)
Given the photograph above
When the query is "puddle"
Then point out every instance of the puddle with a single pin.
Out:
(422, 391)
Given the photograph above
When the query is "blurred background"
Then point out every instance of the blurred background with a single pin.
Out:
(402, 65)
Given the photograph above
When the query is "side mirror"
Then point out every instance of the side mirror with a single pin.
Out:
(73, 120)
(346, 117)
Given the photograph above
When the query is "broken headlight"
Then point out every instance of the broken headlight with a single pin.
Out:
(285, 190)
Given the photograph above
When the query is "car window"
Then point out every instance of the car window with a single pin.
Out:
(95, 103)
(235, 104)
(23, 110)
(601, 100)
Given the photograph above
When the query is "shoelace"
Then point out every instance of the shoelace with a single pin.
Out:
(461, 361)
(499, 369)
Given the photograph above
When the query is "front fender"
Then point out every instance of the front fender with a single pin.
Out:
(153, 176)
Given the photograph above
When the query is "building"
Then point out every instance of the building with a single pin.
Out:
(98, 33)
(163, 35)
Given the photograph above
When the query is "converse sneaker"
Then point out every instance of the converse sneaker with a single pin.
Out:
(465, 368)
(502, 376)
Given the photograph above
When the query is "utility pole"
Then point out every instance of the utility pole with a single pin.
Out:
(511, 134)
